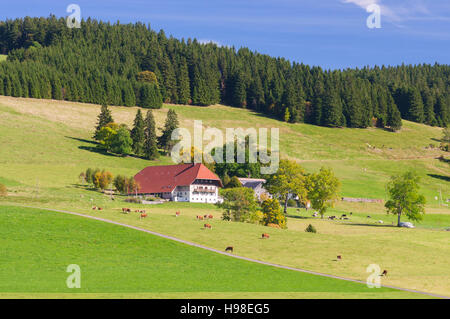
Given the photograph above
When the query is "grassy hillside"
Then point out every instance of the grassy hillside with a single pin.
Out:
(115, 259)
(46, 144)
(362, 158)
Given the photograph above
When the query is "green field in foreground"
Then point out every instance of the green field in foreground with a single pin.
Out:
(37, 246)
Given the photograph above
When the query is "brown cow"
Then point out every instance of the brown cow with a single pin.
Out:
(177, 214)
(229, 248)
(100, 208)
(207, 226)
(265, 236)
(143, 215)
(210, 216)
(339, 257)
(94, 207)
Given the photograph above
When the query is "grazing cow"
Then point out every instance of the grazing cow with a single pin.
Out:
(339, 257)
(229, 248)
(331, 217)
(143, 215)
(369, 216)
(384, 273)
(265, 236)
(200, 217)
(177, 214)
(210, 216)
(343, 216)
(100, 208)
(94, 207)
(207, 226)
(137, 211)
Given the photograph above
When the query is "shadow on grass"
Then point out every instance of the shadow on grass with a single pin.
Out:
(82, 140)
(441, 177)
(436, 139)
(299, 217)
(443, 159)
(97, 150)
(85, 187)
(370, 225)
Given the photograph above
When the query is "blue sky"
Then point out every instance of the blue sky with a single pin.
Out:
(329, 33)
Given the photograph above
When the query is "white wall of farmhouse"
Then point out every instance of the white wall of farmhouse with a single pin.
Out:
(204, 193)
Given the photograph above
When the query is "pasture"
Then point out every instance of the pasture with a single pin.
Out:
(46, 144)
(116, 261)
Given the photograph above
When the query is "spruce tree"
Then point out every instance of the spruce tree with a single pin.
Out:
(415, 102)
(104, 118)
(184, 89)
(394, 119)
(150, 142)
(150, 96)
(332, 108)
(138, 134)
(165, 140)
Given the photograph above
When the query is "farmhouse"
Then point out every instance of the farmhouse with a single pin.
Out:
(257, 184)
(180, 183)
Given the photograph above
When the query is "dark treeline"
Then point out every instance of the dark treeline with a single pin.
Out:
(100, 63)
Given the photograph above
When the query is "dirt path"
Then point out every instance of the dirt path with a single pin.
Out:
(231, 255)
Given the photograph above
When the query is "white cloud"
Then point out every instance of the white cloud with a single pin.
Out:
(206, 41)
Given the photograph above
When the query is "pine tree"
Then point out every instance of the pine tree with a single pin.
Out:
(394, 119)
(150, 142)
(332, 108)
(165, 140)
(415, 101)
(429, 102)
(184, 89)
(104, 118)
(239, 91)
(138, 134)
(150, 96)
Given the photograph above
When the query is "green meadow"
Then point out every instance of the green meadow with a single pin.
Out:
(39, 245)
(45, 144)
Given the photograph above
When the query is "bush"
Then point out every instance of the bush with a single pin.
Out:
(272, 213)
(133, 200)
(292, 203)
(310, 229)
(3, 190)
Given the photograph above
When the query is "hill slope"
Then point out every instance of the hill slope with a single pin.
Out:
(362, 158)
(46, 144)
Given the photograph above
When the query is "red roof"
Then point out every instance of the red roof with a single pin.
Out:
(163, 179)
